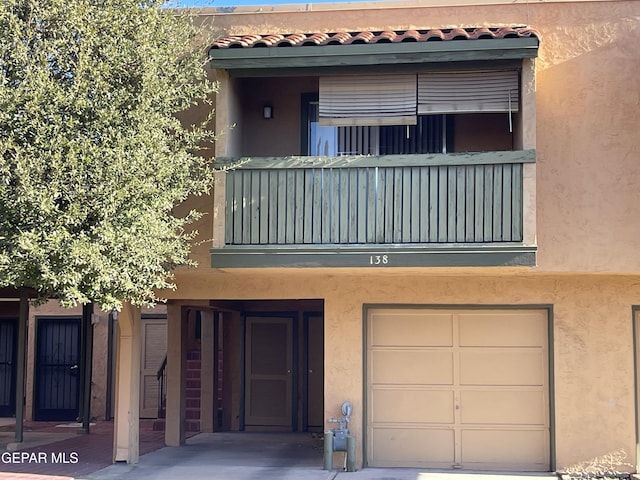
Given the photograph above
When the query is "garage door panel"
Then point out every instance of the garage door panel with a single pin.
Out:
(412, 367)
(502, 407)
(503, 329)
(494, 447)
(427, 406)
(456, 389)
(411, 328)
(502, 367)
(411, 446)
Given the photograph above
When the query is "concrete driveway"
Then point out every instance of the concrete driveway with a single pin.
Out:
(210, 456)
(266, 456)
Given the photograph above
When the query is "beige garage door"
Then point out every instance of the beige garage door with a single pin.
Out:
(458, 389)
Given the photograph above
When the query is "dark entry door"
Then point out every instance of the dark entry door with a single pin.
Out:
(57, 389)
(7, 367)
(268, 373)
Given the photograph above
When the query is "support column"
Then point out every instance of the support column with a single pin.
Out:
(87, 366)
(174, 433)
(528, 141)
(232, 370)
(207, 372)
(20, 370)
(126, 435)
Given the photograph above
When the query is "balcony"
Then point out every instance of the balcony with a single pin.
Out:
(364, 211)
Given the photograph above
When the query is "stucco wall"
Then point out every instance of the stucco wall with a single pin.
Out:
(588, 171)
(593, 368)
(587, 100)
(279, 136)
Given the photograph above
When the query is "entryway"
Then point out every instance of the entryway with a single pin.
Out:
(284, 369)
(269, 365)
(57, 368)
(154, 348)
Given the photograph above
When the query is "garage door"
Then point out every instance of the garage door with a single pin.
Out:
(458, 389)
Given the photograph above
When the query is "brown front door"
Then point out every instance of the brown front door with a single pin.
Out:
(268, 373)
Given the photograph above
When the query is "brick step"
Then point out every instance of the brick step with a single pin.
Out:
(189, 425)
(190, 414)
(192, 425)
(192, 393)
(193, 365)
(193, 383)
(159, 424)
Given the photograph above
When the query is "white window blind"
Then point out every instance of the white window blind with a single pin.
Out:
(362, 100)
(468, 92)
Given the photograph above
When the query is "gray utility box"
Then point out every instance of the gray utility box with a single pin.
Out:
(340, 439)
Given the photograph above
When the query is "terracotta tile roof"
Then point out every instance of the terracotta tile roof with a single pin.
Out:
(356, 38)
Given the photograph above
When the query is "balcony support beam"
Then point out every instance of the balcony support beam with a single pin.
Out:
(371, 256)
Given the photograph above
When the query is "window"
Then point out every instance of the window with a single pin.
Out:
(430, 134)
(412, 113)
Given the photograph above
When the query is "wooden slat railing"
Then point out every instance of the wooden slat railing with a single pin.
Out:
(408, 204)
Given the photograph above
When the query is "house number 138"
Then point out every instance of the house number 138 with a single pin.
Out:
(378, 259)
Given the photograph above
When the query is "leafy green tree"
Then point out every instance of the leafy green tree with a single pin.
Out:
(93, 158)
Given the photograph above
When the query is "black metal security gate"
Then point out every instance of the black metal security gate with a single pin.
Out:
(57, 389)
(7, 367)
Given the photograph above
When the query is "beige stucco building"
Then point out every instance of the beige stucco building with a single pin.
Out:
(432, 215)
(473, 296)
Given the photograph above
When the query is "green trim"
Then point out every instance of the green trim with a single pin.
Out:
(635, 311)
(245, 60)
(371, 256)
(409, 68)
(552, 391)
(357, 161)
(365, 385)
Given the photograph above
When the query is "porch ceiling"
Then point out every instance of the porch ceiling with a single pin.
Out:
(268, 54)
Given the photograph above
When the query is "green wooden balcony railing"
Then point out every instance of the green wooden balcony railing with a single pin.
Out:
(389, 200)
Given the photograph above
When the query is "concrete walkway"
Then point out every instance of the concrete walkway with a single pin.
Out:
(55, 448)
(210, 456)
(229, 456)
(266, 456)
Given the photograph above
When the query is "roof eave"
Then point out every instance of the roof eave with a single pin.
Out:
(238, 60)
